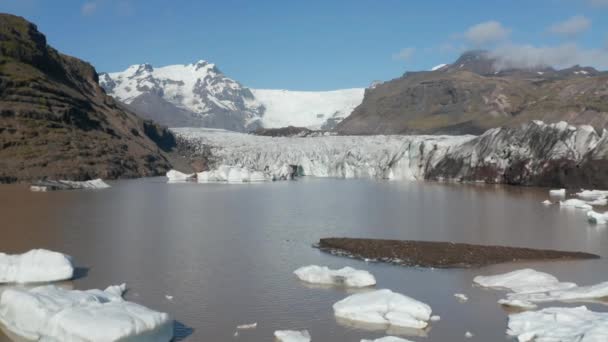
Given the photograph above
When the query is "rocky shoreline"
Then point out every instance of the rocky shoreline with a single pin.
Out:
(439, 254)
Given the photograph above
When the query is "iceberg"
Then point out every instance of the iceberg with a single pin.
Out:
(384, 307)
(522, 281)
(292, 336)
(597, 218)
(461, 297)
(557, 192)
(577, 324)
(177, 176)
(35, 266)
(49, 313)
(592, 195)
(346, 276)
(576, 203)
(51, 185)
(530, 287)
(546, 202)
(388, 339)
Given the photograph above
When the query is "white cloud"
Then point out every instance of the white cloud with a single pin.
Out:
(404, 54)
(88, 8)
(488, 32)
(560, 56)
(571, 27)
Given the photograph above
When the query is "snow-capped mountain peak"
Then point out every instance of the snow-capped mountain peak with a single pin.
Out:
(197, 94)
(200, 95)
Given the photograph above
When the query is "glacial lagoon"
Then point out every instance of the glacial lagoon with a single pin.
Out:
(216, 256)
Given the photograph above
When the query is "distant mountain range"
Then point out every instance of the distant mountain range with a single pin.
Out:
(56, 122)
(476, 93)
(200, 95)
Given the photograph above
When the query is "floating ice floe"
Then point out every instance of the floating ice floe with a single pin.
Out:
(247, 326)
(49, 313)
(384, 307)
(523, 281)
(461, 297)
(557, 192)
(51, 185)
(232, 174)
(292, 335)
(35, 266)
(468, 334)
(576, 203)
(597, 218)
(346, 276)
(547, 202)
(435, 318)
(176, 176)
(388, 339)
(559, 324)
(592, 195)
(531, 287)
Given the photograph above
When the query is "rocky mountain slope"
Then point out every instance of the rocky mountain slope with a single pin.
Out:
(478, 92)
(531, 154)
(57, 123)
(200, 95)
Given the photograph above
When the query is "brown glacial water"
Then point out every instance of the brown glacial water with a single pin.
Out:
(226, 253)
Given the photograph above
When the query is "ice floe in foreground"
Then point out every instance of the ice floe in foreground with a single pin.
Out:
(384, 307)
(292, 335)
(559, 325)
(592, 195)
(597, 218)
(49, 313)
(346, 276)
(35, 266)
(388, 339)
(530, 287)
(523, 281)
(51, 185)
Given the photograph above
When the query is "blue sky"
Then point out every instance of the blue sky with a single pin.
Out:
(319, 44)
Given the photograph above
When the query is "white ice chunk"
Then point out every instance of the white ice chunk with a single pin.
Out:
(232, 174)
(35, 266)
(346, 276)
(559, 325)
(49, 313)
(597, 218)
(435, 318)
(292, 336)
(547, 202)
(388, 339)
(247, 326)
(523, 281)
(576, 203)
(461, 297)
(176, 176)
(468, 334)
(591, 195)
(50, 185)
(384, 307)
(577, 293)
(557, 192)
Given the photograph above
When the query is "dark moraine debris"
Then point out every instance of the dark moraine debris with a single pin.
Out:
(439, 254)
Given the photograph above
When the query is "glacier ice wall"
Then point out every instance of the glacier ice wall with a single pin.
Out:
(532, 154)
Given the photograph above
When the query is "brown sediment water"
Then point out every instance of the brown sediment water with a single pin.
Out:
(226, 253)
(441, 254)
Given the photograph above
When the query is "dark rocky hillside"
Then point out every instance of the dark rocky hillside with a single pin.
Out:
(474, 94)
(57, 123)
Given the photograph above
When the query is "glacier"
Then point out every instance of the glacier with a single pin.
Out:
(532, 154)
(35, 266)
(50, 313)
